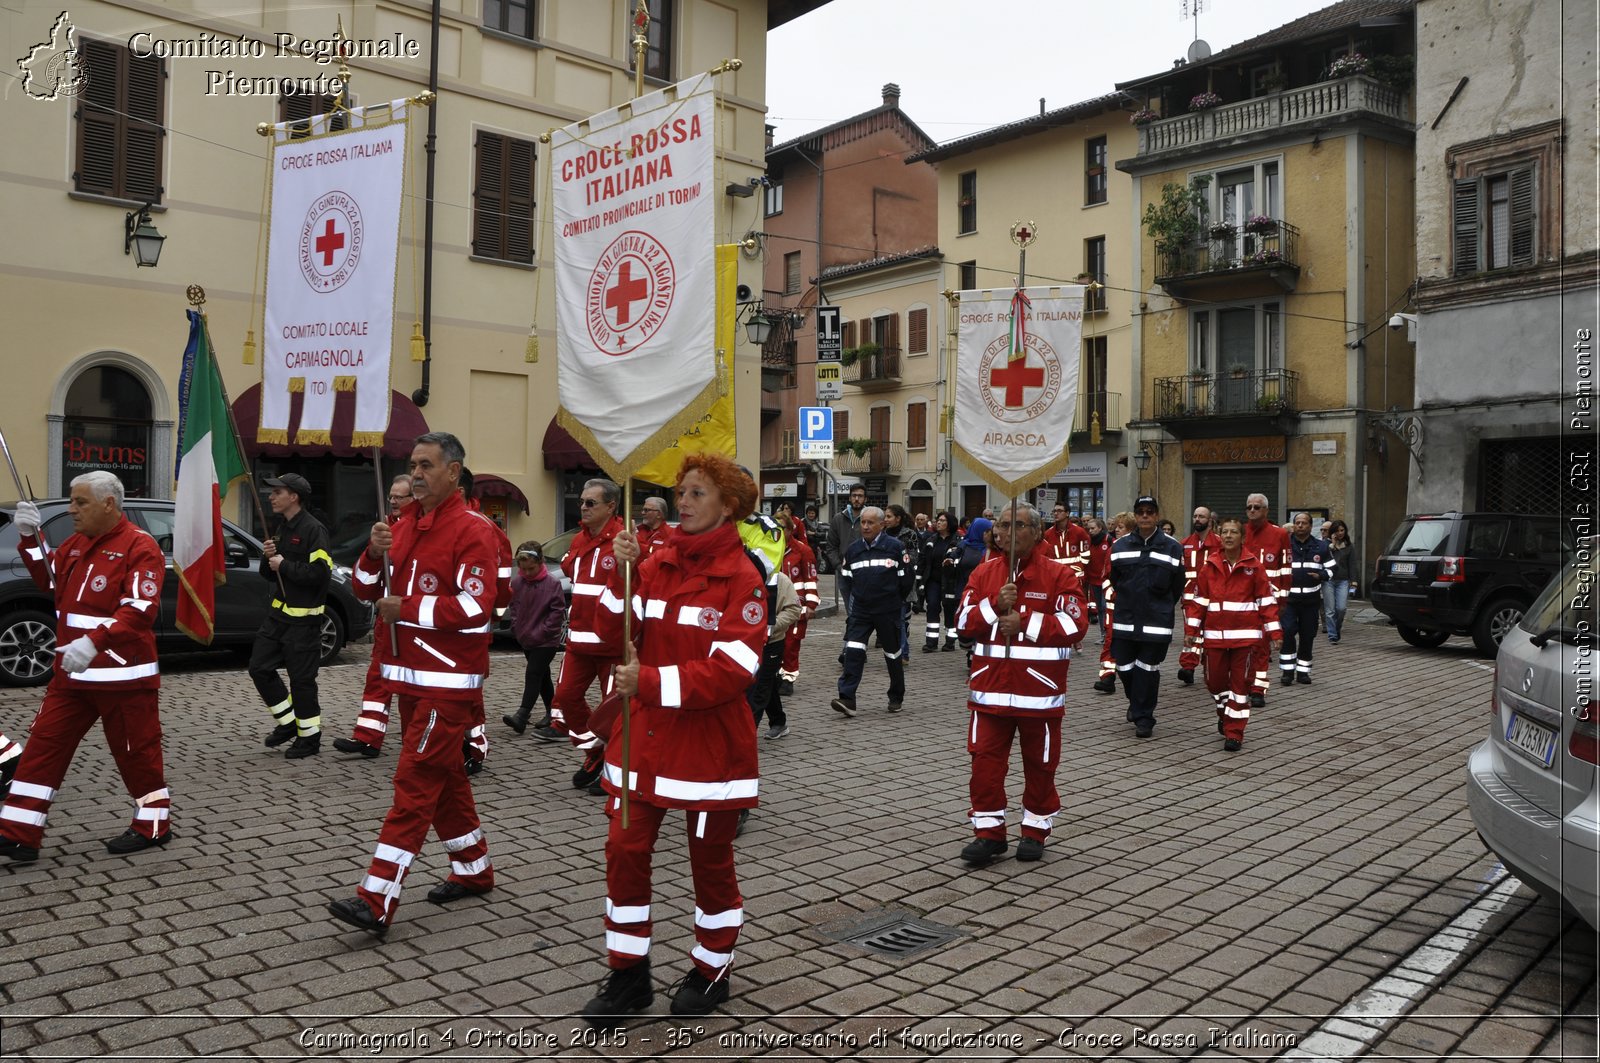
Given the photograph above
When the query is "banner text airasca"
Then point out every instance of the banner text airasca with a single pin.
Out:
(630, 169)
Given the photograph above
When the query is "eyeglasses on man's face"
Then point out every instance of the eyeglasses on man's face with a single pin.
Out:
(1255, 505)
(587, 503)
(1006, 525)
(399, 498)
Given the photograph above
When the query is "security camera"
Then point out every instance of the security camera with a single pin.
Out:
(1397, 322)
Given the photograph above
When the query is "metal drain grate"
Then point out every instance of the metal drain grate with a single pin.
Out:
(894, 934)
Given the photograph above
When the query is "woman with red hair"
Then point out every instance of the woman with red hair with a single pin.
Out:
(700, 623)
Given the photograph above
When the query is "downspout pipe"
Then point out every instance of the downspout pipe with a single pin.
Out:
(420, 396)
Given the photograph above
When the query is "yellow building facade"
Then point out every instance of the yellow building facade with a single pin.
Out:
(93, 343)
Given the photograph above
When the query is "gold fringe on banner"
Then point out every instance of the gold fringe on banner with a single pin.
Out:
(419, 345)
(344, 383)
(273, 435)
(311, 436)
(363, 440)
(250, 347)
(663, 437)
(1012, 488)
(297, 383)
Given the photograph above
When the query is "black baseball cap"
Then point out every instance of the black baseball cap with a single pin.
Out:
(1146, 500)
(293, 482)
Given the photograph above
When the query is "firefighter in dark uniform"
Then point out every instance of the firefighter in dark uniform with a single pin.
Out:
(1147, 576)
(877, 571)
(296, 559)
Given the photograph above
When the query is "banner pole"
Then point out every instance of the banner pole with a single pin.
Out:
(383, 500)
(627, 645)
(16, 478)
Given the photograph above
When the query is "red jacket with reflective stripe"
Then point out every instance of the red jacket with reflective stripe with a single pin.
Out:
(444, 566)
(1271, 544)
(651, 541)
(1071, 547)
(800, 565)
(1196, 548)
(108, 588)
(589, 564)
(508, 565)
(700, 624)
(1028, 677)
(1233, 606)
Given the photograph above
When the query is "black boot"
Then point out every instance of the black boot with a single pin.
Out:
(626, 991)
(518, 721)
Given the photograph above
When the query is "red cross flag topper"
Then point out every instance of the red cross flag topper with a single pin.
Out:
(1023, 233)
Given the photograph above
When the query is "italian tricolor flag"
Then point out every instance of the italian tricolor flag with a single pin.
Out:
(209, 462)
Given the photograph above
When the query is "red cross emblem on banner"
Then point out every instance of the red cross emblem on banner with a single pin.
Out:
(330, 241)
(1012, 378)
(627, 291)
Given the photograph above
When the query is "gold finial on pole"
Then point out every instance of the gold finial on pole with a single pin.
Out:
(344, 67)
(641, 43)
(196, 295)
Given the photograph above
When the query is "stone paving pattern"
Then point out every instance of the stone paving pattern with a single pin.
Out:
(1185, 890)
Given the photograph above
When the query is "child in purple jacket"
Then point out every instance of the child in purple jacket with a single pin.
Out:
(537, 608)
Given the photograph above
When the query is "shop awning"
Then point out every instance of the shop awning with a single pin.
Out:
(488, 485)
(562, 453)
(406, 423)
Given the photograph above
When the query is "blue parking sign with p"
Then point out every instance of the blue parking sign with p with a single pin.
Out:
(816, 432)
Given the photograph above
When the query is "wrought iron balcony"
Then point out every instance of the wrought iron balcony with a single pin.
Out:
(777, 365)
(1106, 405)
(1238, 401)
(1227, 256)
(874, 368)
(1274, 113)
(882, 457)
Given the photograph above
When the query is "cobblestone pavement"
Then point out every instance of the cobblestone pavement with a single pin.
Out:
(1323, 891)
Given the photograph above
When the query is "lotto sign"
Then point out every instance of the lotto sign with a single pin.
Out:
(816, 433)
(634, 204)
(830, 381)
(1017, 383)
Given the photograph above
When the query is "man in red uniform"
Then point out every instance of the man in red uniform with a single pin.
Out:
(373, 722)
(1198, 545)
(106, 579)
(1270, 543)
(440, 602)
(1068, 542)
(589, 564)
(1232, 606)
(653, 531)
(1023, 628)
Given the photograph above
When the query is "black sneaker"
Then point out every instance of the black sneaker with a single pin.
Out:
(777, 730)
(280, 734)
(1287, 679)
(350, 745)
(895, 706)
(1106, 685)
(1144, 730)
(354, 910)
(304, 746)
(844, 706)
(948, 647)
(625, 991)
(131, 841)
(1186, 676)
(695, 994)
(17, 853)
(517, 721)
(1303, 677)
(1258, 701)
(594, 762)
(1029, 850)
(472, 765)
(594, 789)
(981, 851)
(1232, 745)
(786, 688)
(930, 647)
(546, 733)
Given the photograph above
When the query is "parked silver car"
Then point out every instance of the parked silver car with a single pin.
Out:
(1532, 785)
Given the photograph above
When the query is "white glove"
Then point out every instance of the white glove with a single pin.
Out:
(27, 518)
(78, 654)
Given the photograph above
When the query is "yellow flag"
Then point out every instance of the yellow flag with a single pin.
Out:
(715, 432)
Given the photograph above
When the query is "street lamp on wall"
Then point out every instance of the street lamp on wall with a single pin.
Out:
(1141, 460)
(140, 237)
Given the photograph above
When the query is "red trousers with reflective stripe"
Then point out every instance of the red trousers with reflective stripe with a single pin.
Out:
(989, 742)
(791, 647)
(373, 723)
(1230, 681)
(716, 888)
(430, 790)
(132, 723)
(570, 712)
(1263, 662)
(1190, 657)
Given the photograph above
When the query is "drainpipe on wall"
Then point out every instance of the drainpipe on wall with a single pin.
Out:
(420, 396)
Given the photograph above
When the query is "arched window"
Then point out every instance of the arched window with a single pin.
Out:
(106, 425)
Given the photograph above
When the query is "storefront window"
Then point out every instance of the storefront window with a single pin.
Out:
(106, 425)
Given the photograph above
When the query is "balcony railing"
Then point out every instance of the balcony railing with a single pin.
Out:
(1106, 404)
(874, 368)
(1263, 392)
(883, 457)
(1314, 103)
(1277, 247)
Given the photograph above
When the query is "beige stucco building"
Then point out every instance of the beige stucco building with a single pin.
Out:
(93, 343)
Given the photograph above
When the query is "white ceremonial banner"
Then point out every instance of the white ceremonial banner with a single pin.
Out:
(634, 200)
(1013, 417)
(331, 257)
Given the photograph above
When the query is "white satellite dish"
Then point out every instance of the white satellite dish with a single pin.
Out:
(1199, 50)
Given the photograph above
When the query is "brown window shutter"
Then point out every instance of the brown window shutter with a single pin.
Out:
(864, 330)
(144, 132)
(917, 327)
(519, 200)
(97, 170)
(1524, 217)
(1464, 226)
(892, 333)
(917, 424)
(841, 424)
(847, 335)
(488, 208)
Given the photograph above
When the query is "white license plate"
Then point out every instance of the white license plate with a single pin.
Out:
(1402, 568)
(1534, 739)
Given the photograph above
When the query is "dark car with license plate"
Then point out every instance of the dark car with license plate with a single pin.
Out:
(27, 614)
(1471, 574)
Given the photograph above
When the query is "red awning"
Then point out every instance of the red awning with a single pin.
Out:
(488, 485)
(562, 453)
(406, 423)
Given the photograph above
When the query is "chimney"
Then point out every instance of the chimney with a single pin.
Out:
(1041, 105)
(891, 95)
(770, 130)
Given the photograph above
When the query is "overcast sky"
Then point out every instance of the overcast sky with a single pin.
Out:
(967, 65)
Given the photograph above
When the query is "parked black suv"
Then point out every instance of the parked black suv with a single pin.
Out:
(27, 615)
(1466, 574)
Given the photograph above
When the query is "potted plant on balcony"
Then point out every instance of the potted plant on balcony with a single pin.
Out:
(1261, 225)
(1204, 101)
(1143, 116)
(1269, 403)
(1348, 65)
(1267, 256)
(1175, 222)
(860, 446)
(864, 353)
(1221, 231)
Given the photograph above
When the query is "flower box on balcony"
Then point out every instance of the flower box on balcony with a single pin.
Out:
(1205, 101)
(1143, 116)
(1348, 65)
(1221, 231)
(1267, 257)
(1261, 225)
